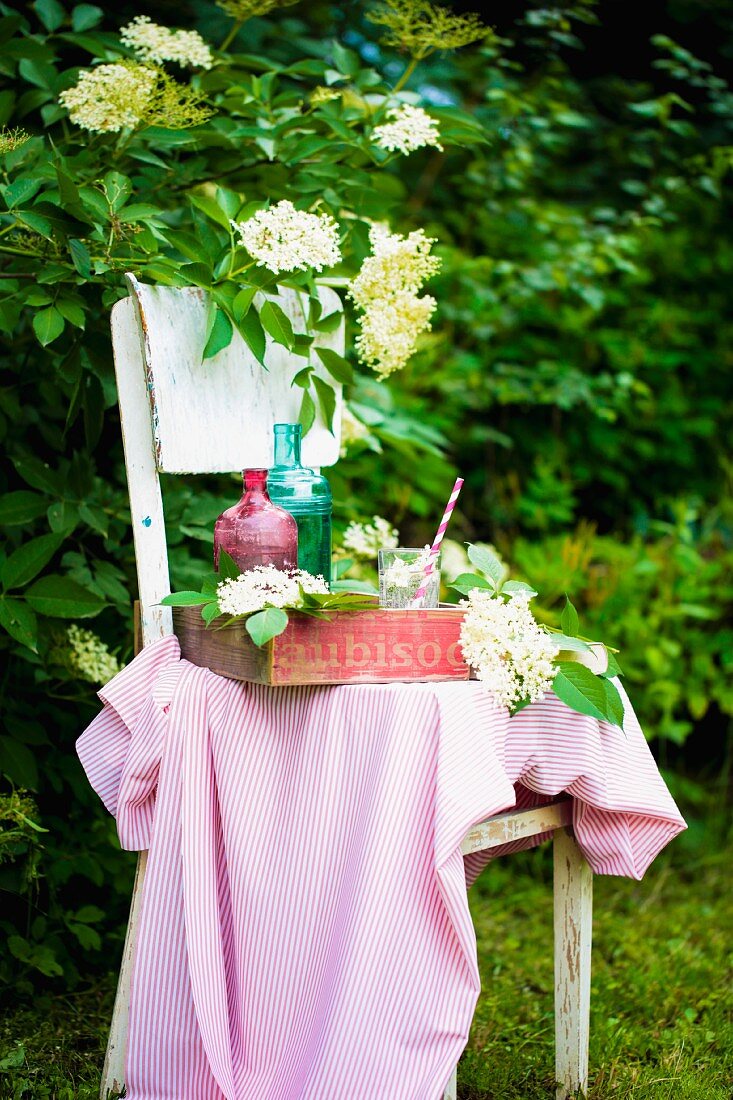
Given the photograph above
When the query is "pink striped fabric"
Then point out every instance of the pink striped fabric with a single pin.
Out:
(305, 930)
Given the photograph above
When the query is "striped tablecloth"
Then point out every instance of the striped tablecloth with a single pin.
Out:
(305, 933)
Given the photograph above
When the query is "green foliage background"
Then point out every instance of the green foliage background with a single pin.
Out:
(578, 372)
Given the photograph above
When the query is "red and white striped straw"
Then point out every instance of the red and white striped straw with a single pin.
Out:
(435, 548)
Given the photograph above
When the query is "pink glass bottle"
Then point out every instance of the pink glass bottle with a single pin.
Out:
(255, 531)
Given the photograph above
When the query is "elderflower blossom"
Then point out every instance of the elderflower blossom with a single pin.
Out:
(363, 540)
(89, 657)
(353, 430)
(265, 586)
(10, 140)
(151, 42)
(402, 573)
(321, 94)
(241, 10)
(386, 290)
(285, 239)
(511, 653)
(110, 98)
(411, 128)
(397, 265)
(388, 336)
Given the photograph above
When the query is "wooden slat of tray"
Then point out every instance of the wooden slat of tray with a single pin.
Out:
(349, 648)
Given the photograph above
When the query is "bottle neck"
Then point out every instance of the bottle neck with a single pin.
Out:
(287, 445)
(255, 485)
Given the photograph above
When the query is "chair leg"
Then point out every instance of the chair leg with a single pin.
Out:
(113, 1074)
(451, 1089)
(573, 906)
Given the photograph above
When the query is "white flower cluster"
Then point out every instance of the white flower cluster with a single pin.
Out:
(386, 290)
(402, 574)
(511, 653)
(152, 42)
(110, 98)
(285, 239)
(89, 657)
(363, 540)
(265, 586)
(353, 430)
(411, 128)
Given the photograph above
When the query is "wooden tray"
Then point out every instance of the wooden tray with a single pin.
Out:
(356, 647)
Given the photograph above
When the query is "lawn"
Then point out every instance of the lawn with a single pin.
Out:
(661, 1024)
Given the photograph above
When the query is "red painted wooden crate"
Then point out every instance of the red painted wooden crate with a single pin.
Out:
(350, 647)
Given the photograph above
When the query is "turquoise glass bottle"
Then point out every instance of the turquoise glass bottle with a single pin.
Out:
(307, 496)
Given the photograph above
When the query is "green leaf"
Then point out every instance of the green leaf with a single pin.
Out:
(303, 378)
(88, 937)
(38, 474)
(338, 367)
(347, 61)
(68, 191)
(242, 301)
(330, 322)
(569, 619)
(21, 507)
(266, 624)
(220, 334)
(61, 598)
(466, 582)
(36, 222)
(28, 560)
(227, 566)
(518, 588)
(565, 641)
(614, 668)
(326, 399)
(80, 258)
(581, 690)
(210, 612)
(186, 599)
(20, 191)
(63, 516)
(487, 562)
(18, 763)
(18, 619)
(86, 16)
(307, 413)
(614, 702)
(275, 321)
(51, 14)
(89, 914)
(210, 208)
(253, 335)
(94, 517)
(71, 311)
(48, 324)
(16, 1058)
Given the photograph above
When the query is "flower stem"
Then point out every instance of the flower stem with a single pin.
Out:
(405, 76)
(232, 35)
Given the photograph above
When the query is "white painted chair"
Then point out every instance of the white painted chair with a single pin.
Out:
(180, 415)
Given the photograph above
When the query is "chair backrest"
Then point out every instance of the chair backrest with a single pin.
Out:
(181, 414)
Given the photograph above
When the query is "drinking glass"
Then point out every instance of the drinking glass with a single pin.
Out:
(402, 572)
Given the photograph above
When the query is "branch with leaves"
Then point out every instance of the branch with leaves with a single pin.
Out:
(264, 596)
(519, 660)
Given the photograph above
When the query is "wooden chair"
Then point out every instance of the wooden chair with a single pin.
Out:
(180, 415)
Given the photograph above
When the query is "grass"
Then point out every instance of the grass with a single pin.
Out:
(661, 1003)
(661, 1024)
